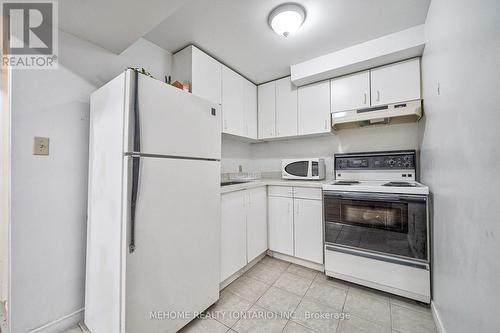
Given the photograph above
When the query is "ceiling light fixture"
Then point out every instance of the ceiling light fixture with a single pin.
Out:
(287, 18)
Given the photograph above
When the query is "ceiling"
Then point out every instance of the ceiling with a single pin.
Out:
(113, 24)
(236, 31)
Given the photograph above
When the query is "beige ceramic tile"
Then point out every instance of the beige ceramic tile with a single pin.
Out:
(359, 325)
(406, 320)
(327, 294)
(293, 283)
(204, 326)
(281, 264)
(316, 316)
(228, 307)
(293, 327)
(322, 278)
(368, 306)
(279, 300)
(259, 320)
(248, 288)
(265, 272)
(302, 271)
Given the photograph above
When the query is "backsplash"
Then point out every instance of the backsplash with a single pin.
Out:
(264, 158)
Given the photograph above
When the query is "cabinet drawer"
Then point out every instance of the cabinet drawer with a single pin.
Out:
(307, 193)
(281, 191)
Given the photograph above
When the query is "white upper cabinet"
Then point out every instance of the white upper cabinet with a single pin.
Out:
(350, 92)
(250, 109)
(217, 83)
(201, 71)
(286, 108)
(314, 108)
(239, 105)
(233, 119)
(395, 83)
(267, 110)
(256, 222)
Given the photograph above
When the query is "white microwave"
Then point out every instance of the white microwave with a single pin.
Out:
(310, 168)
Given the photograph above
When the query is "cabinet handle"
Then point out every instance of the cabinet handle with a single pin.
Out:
(225, 123)
(364, 98)
(378, 95)
(326, 126)
(297, 208)
(247, 129)
(288, 208)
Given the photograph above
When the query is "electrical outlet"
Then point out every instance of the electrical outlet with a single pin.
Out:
(41, 146)
(240, 168)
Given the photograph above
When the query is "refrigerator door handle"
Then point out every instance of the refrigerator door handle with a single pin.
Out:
(137, 123)
(136, 164)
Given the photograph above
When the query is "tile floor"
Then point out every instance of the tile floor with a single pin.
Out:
(275, 296)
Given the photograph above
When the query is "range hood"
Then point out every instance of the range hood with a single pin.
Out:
(397, 113)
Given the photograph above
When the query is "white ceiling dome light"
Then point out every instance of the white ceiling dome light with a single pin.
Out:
(287, 18)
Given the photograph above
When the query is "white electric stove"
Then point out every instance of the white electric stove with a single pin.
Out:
(377, 223)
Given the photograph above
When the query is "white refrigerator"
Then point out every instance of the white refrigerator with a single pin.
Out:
(153, 243)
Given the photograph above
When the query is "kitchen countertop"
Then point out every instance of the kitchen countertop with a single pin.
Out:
(275, 182)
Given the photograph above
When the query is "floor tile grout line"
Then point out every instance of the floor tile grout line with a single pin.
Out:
(255, 303)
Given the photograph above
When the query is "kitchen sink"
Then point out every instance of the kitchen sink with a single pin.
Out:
(234, 182)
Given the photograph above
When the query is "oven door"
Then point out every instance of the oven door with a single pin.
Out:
(389, 224)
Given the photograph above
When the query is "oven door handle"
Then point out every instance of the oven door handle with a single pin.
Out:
(373, 196)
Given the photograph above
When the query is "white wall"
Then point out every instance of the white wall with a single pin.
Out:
(4, 183)
(460, 155)
(235, 153)
(267, 155)
(49, 193)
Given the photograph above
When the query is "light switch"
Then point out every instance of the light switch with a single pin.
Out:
(41, 146)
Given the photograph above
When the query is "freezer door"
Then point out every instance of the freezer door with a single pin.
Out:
(175, 266)
(164, 120)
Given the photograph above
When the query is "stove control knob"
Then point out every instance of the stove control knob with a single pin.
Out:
(407, 165)
(391, 163)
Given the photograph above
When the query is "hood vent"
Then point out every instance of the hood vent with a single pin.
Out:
(398, 113)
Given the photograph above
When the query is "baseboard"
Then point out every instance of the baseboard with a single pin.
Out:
(297, 261)
(63, 323)
(437, 318)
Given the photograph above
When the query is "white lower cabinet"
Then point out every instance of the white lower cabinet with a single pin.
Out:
(296, 222)
(256, 222)
(243, 228)
(281, 224)
(308, 233)
(233, 233)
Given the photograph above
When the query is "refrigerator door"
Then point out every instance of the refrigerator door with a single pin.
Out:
(164, 120)
(174, 268)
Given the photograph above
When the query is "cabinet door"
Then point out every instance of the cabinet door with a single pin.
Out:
(314, 108)
(256, 222)
(399, 82)
(233, 233)
(286, 108)
(250, 109)
(280, 212)
(267, 110)
(232, 102)
(206, 76)
(308, 222)
(350, 92)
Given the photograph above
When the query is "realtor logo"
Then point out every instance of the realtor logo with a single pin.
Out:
(29, 34)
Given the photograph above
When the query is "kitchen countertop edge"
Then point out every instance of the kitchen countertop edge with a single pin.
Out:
(274, 182)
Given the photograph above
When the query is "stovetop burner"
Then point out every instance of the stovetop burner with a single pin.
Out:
(346, 182)
(399, 184)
